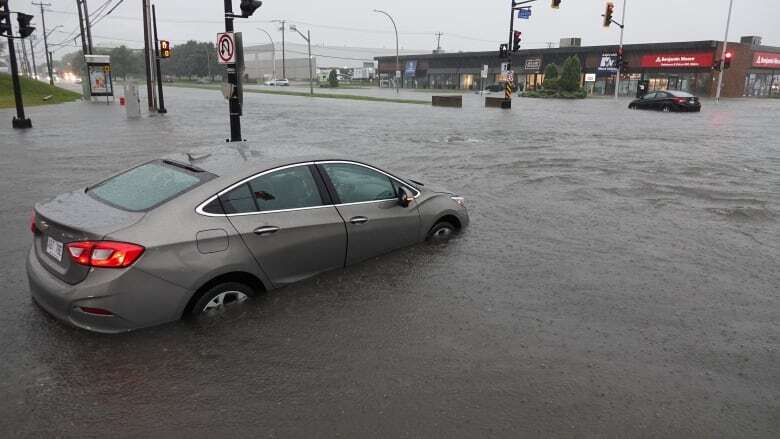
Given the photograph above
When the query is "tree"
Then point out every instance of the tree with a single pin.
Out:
(72, 62)
(570, 77)
(193, 58)
(550, 77)
(333, 79)
(126, 61)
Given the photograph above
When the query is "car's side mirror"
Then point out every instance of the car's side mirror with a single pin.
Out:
(404, 197)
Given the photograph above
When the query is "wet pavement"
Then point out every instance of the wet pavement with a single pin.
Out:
(619, 279)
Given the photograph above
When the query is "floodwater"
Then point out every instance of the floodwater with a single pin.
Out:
(620, 278)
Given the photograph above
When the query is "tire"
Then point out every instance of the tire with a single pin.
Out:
(220, 296)
(666, 109)
(441, 232)
(632, 107)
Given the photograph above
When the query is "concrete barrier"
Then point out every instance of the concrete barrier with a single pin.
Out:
(447, 101)
(498, 103)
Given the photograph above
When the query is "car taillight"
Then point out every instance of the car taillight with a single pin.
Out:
(104, 254)
(33, 227)
(680, 100)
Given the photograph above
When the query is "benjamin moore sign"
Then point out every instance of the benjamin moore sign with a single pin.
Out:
(678, 60)
(766, 60)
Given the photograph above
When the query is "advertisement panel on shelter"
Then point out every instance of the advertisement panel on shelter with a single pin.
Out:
(100, 82)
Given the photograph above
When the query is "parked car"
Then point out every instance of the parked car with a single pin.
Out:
(495, 88)
(667, 100)
(278, 83)
(191, 234)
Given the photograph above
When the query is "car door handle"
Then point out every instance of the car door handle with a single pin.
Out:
(267, 230)
(358, 220)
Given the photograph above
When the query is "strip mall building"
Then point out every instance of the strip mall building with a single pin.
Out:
(755, 69)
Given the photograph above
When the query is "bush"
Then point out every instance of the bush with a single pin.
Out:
(570, 78)
(551, 77)
(333, 79)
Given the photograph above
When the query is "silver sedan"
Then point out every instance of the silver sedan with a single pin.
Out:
(191, 234)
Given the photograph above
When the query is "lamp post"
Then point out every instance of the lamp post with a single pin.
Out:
(622, 27)
(306, 37)
(397, 67)
(273, 49)
(284, 55)
(723, 53)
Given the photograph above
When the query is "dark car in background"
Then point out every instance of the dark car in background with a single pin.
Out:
(667, 100)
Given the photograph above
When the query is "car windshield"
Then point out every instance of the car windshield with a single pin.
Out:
(149, 185)
(680, 94)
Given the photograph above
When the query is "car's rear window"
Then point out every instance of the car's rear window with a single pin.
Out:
(680, 94)
(149, 185)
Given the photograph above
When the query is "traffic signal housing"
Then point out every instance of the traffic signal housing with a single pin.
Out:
(25, 30)
(608, 13)
(727, 60)
(248, 7)
(5, 22)
(503, 51)
(518, 37)
(165, 49)
(556, 4)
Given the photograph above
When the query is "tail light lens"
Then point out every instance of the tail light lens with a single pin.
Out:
(33, 227)
(680, 100)
(104, 254)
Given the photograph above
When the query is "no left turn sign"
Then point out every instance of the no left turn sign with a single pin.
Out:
(226, 48)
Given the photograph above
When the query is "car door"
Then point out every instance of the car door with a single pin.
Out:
(661, 98)
(367, 200)
(287, 220)
(646, 101)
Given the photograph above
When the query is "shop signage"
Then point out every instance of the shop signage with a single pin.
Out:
(766, 60)
(677, 60)
(590, 77)
(411, 68)
(607, 65)
(533, 64)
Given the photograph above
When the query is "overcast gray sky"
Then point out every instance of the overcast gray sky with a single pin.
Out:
(467, 25)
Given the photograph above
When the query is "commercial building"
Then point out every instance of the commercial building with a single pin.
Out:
(688, 66)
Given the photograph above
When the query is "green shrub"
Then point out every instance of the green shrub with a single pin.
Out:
(570, 77)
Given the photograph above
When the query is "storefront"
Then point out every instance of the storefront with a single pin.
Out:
(763, 79)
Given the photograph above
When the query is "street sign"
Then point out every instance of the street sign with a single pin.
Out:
(226, 48)
(510, 76)
(504, 67)
(485, 70)
(524, 13)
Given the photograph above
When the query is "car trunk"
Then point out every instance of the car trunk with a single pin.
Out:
(71, 217)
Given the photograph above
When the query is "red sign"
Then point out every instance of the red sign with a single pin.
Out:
(767, 60)
(678, 60)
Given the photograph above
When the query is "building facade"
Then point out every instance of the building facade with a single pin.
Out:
(688, 66)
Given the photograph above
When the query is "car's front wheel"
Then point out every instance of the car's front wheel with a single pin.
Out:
(666, 109)
(442, 231)
(219, 297)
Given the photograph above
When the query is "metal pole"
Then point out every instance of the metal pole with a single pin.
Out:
(232, 77)
(622, 27)
(88, 27)
(147, 63)
(26, 61)
(162, 109)
(273, 50)
(19, 121)
(208, 64)
(311, 79)
(32, 53)
(46, 42)
(723, 53)
(397, 61)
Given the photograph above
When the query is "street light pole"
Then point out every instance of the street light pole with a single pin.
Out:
(306, 37)
(619, 67)
(273, 50)
(723, 53)
(397, 66)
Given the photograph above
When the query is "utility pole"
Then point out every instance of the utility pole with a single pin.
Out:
(622, 25)
(284, 55)
(32, 53)
(162, 109)
(88, 26)
(273, 51)
(84, 50)
(723, 53)
(397, 61)
(438, 42)
(149, 89)
(307, 37)
(27, 70)
(46, 41)
(20, 121)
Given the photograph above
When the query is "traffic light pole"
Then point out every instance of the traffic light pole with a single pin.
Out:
(162, 109)
(723, 53)
(516, 5)
(622, 25)
(20, 121)
(232, 77)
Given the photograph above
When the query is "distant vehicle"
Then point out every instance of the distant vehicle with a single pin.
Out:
(495, 88)
(667, 100)
(193, 233)
(278, 83)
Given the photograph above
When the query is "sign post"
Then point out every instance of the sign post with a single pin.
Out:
(226, 54)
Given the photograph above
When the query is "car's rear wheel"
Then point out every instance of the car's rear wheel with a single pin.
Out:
(220, 297)
(442, 231)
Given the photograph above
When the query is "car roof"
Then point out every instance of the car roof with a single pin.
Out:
(241, 159)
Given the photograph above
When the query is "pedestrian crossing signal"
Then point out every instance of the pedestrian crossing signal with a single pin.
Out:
(165, 49)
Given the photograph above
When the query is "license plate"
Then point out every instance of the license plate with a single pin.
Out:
(54, 249)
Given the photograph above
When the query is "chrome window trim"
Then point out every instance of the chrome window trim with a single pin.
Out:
(201, 206)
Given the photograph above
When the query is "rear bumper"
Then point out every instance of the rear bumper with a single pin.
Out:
(136, 299)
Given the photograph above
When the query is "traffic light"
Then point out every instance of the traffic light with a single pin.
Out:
(516, 41)
(165, 49)
(727, 60)
(248, 7)
(608, 14)
(503, 51)
(24, 24)
(5, 23)
(556, 4)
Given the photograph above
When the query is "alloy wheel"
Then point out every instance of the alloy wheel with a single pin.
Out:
(224, 299)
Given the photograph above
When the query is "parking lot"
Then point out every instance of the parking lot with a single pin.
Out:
(619, 279)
